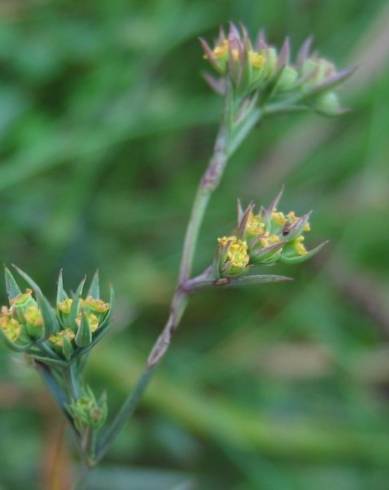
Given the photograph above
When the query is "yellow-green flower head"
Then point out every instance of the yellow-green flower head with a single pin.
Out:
(299, 246)
(22, 299)
(65, 306)
(235, 256)
(256, 60)
(268, 239)
(33, 316)
(57, 340)
(93, 321)
(89, 412)
(95, 305)
(235, 57)
(278, 218)
(10, 326)
(292, 219)
(255, 225)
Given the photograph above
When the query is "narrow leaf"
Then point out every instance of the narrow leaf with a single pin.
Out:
(255, 279)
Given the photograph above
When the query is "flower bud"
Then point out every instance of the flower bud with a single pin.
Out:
(33, 321)
(328, 104)
(87, 412)
(10, 327)
(264, 238)
(57, 340)
(288, 79)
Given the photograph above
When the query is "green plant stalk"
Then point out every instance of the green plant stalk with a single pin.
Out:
(124, 413)
(228, 140)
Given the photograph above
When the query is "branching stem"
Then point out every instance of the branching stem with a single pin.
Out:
(237, 123)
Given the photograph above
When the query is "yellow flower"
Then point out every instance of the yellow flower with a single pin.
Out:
(221, 49)
(292, 218)
(97, 305)
(33, 316)
(10, 327)
(269, 239)
(93, 321)
(256, 60)
(22, 298)
(65, 306)
(255, 225)
(278, 218)
(299, 246)
(237, 253)
(57, 339)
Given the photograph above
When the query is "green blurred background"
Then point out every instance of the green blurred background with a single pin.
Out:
(105, 128)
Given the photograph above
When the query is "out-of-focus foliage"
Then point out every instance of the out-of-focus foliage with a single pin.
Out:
(105, 127)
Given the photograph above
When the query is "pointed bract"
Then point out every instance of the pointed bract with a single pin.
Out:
(11, 285)
(84, 335)
(94, 288)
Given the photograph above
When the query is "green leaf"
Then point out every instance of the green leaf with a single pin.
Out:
(84, 334)
(11, 285)
(253, 280)
(94, 288)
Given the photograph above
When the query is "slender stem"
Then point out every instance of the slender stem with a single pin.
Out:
(229, 137)
(208, 184)
(124, 413)
(72, 381)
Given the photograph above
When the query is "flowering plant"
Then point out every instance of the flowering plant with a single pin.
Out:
(255, 80)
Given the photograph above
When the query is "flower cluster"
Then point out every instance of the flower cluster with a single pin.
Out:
(87, 411)
(53, 334)
(263, 238)
(258, 67)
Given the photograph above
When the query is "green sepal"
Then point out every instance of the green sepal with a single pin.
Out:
(13, 345)
(328, 84)
(67, 348)
(84, 334)
(11, 285)
(61, 293)
(298, 259)
(94, 288)
(266, 255)
(71, 320)
(297, 228)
